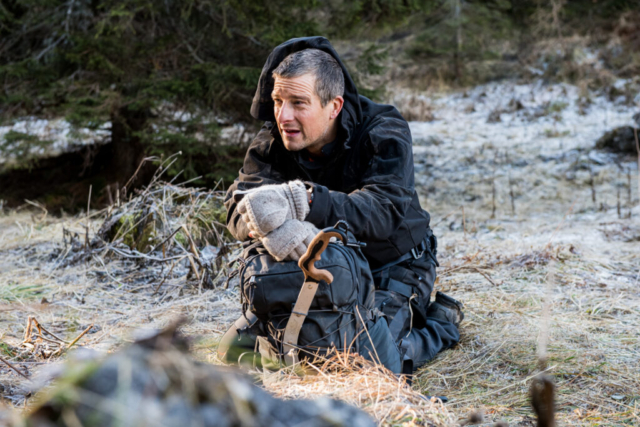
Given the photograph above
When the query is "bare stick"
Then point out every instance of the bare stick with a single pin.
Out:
(56, 337)
(618, 200)
(146, 159)
(192, 244)
(464, 223)
(542, 388)
(6, 362)
(493, 196)
(165, 241)
(37, 325)
(511, 193)
(165, 278)
(542, 395)
(592, 183)
(80, 336)
(193, 266)
(485, 275)
(493, 187)
(635, 131)
(48, 339)
(629, 191)
(89, 199)
(27, 331)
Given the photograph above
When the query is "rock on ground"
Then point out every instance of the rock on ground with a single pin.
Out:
(620, 140)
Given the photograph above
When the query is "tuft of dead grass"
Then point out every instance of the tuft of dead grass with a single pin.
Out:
(61, 272)
(350, 378)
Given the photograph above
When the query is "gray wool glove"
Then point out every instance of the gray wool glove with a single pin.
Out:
(291, 240)
(266, 208)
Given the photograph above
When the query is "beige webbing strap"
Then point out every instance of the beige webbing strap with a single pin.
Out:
(299, 313)
(312, 277)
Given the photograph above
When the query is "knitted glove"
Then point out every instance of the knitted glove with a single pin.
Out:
(290, 240)
(266, 208)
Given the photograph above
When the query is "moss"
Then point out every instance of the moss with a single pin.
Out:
(212, 215)
(6, 350)
(181, 238)
(148, 237)
(556, 107)
(125, 230)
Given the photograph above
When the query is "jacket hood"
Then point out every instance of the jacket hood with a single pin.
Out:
(262, 106)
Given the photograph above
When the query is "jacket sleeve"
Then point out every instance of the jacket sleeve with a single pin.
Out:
(378, 207)
(256, 171)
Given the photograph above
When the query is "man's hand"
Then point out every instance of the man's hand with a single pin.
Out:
(266, 208)
(291, 240)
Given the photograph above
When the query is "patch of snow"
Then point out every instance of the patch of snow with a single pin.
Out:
(62, 137)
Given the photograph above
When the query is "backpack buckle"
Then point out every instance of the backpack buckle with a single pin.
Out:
(418, 251)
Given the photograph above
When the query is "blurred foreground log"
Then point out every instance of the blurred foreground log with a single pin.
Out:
(154, 382)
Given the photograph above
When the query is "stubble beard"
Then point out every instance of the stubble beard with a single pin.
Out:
(304, 144)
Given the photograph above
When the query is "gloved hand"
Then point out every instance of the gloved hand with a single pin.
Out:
(266, 208)
(291, 240)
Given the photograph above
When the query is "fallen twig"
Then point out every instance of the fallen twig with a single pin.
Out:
(6, 362)
(79, 336)
(155, 291)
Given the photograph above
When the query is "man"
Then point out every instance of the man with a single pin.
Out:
(326, 154)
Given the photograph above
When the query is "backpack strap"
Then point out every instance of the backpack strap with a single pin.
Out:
(312, 277)
(294, 325)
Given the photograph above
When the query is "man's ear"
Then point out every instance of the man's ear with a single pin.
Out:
(336, 106)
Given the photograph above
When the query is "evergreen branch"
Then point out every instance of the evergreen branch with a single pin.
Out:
(51, 46)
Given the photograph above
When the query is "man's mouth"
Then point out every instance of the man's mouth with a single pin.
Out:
(291, 132)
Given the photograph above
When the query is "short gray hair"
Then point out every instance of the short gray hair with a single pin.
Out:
(328, 73)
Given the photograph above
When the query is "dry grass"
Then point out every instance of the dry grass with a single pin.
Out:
(384, 396)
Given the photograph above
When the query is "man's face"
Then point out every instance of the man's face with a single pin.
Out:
(302, 120)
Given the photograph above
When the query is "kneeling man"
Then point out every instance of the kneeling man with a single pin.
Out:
(329, 154)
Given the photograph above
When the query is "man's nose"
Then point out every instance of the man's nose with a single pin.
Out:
(286, 113)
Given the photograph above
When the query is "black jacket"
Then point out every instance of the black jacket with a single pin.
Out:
(367, 181)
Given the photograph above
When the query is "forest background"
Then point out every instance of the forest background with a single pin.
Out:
(152, 78)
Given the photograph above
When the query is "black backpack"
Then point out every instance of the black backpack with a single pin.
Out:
(342, 315)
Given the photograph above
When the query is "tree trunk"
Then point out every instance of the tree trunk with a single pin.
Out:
(457, 6)
(128, 150)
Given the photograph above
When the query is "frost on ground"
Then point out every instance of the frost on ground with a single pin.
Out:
(530, 220)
